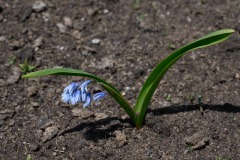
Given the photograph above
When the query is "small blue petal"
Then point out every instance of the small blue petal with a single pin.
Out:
(72, 87)
(84, 96)
(88, 100)
(83, 86)
(65, 97)
(99, 95)
(75, 97)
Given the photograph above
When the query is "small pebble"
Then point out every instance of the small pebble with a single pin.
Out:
(62, 27)
(39, 6)
(68, 22)
(38, 42)
(76, 34)
(2, 38)
(83, 113)
(14, 76)
(46, 16)
(237, 76)
(49, 133)
(96, 41)
(99, 116)
(105, 11)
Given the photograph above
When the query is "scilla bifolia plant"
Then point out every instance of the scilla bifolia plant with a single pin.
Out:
(77, 92)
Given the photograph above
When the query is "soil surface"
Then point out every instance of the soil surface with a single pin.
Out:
(120, 41)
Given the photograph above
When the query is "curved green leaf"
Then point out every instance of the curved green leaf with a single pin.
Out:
(74, 72)
(155, 77)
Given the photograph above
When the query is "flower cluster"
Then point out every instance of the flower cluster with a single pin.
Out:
(78, 92)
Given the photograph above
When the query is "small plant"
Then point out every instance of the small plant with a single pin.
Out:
(200, 104)
(29, 157)
(77, 92)
(168, 97)
(25, 67)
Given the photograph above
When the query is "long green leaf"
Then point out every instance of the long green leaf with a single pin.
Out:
(155, 77)
(74, 72)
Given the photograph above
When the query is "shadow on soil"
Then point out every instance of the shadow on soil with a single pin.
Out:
(229, 108)
(104, 128)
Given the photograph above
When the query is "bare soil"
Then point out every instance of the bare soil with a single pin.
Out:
(120, 41)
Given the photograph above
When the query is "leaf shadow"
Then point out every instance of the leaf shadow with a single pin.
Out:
(227, 107)
(105, 128)
(100, 129)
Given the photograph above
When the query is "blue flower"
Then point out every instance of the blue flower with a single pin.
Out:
(78, 92)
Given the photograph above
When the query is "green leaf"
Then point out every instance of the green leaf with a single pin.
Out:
(74, 72)
(155, 77)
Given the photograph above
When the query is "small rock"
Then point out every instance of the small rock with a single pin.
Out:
(105, 11)
(83, 113)
(32, 91)
(16, 45)
(24, 13)
(76, 34)
(237, 76)
(96, 41)
(39, 6)
(197, 141)
(11, 122)
(49, 133)
(2, 38)
(46, 16)
(92, 11)
(68, 22)
(99, 116)
(16, 73)
(38, 42)
(121, 137)
(62, 27)
(35, 104)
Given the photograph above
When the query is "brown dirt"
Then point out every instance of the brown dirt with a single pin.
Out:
(134, 36)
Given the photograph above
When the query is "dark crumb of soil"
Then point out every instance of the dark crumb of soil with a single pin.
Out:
(120, 41)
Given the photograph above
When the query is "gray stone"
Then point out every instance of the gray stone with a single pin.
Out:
(197, 140)
(49, 133)
(76, 34)
(39, 6)
(68, 22)
(62, 27)
(38, 42)
(83, 113)
(121, 137)
(24, 13)
(2, 38)
(99, 116)
(96, 41)
(16, 73)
